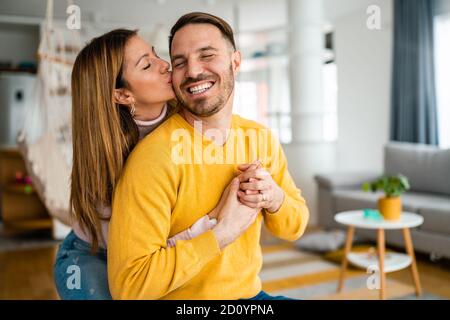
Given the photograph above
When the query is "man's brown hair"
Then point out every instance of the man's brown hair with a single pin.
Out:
(199, 18)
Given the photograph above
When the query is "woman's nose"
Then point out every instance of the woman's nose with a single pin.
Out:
(165, 67)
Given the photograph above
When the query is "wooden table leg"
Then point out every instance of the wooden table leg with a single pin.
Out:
(414, 270)
(381, 253)
(348, 247)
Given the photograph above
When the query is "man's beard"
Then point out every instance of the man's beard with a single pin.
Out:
(206, 107)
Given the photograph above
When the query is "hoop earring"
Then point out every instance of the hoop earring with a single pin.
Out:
(133, 110)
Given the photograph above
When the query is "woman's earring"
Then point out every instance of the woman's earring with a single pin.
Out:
(133, 110)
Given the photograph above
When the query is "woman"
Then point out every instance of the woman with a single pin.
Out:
(120, 90)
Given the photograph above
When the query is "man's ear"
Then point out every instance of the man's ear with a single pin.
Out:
(236, 61)
(123, 96)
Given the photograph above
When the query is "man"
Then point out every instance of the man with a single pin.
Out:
(168, 184)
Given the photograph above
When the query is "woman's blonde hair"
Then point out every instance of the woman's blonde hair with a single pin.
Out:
(104, 132)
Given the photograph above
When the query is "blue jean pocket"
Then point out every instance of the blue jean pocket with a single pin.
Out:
(79, 274)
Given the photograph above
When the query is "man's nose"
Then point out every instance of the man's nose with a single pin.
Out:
(193, 69)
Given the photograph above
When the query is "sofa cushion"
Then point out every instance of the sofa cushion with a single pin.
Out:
(434, 208)
(354, 199)
(357, 199)
(436, 219)
(427, 167)
(347, 180)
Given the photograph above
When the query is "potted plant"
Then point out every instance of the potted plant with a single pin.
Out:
(389, 206)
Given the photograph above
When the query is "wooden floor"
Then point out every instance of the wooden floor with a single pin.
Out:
(27, 274)
(435, 277)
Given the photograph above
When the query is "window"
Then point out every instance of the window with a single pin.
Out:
(263, 95)
(263, 88)
(442, 62)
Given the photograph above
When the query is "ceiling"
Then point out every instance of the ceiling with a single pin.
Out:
(251, 14)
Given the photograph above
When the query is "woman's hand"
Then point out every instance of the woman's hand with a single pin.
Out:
(258, 189)
(234, 218)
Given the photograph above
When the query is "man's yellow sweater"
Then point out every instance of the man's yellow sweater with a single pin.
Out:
(165, 189)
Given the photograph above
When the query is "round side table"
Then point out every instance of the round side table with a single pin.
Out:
(396, 261)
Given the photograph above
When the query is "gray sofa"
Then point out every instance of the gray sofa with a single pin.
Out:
(428, 170)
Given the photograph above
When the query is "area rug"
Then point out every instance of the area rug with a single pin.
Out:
(304, 275)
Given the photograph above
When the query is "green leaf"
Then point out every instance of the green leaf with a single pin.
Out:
(393, 186)
(404, 181)
(366, 187)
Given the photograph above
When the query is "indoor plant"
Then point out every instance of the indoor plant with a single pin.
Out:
(389, 206)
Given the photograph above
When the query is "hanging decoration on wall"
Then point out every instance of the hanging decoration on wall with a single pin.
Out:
(45, 141)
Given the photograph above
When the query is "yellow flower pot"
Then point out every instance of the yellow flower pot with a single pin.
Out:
(390, 208)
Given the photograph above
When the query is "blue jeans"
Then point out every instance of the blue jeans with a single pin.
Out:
(79, 274)
(264, 296)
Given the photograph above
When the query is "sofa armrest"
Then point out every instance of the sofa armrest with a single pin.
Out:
(344, 179)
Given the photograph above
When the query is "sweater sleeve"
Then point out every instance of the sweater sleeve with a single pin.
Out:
(140, 264)
(289, 222)
(200, 226)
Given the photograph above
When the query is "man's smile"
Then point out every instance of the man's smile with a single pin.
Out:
(199, 88)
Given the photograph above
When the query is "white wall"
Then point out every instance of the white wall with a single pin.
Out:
(255, 15)
(19, 43)
(364, 80)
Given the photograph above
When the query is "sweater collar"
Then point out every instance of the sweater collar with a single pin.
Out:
(148, 123)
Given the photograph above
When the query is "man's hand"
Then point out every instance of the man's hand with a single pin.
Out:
(257, 188)
(214, 214)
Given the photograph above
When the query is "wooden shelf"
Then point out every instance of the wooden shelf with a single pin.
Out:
(30, 224)
(20, 207)
(20, 189)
